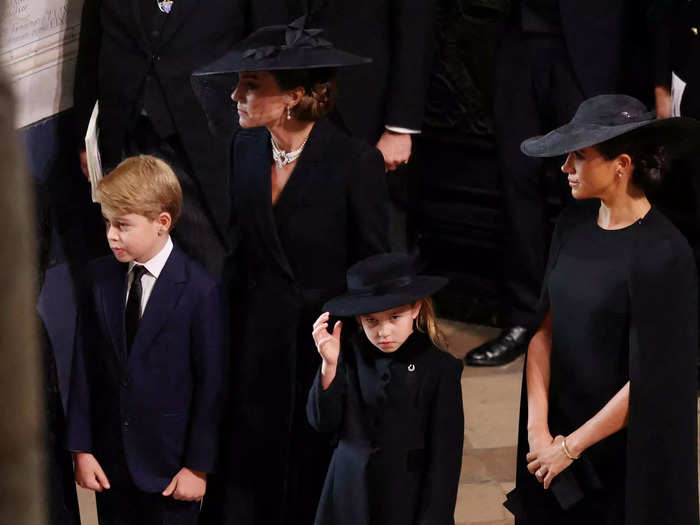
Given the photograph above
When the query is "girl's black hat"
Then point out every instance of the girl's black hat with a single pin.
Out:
(270, 48)
(382, 282)
(604, 117)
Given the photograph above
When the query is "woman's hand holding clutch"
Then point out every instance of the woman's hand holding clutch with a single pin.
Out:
(548, 461)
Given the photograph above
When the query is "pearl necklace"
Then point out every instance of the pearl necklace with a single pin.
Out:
(281, 157)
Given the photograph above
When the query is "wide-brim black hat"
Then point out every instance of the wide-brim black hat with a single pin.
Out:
(382, 282)
(270, 48)
(604, 117)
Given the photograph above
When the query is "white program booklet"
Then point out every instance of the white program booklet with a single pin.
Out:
(677, 89)
(92, 148)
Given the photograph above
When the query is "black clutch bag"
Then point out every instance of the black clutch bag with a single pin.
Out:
(568, 488)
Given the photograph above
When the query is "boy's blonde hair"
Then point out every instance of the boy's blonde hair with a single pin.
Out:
(427, 323)
(143, 185)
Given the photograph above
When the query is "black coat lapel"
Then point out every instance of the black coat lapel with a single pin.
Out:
(113, 298)
(164, 297)
(252, 164)
(310, 168)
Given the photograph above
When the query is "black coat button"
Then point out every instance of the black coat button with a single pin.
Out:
(156, 58)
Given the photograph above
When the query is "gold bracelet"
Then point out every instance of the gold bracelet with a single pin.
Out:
(566, 450)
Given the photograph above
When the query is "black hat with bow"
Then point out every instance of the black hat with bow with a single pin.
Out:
(382, 282)
(270, 48)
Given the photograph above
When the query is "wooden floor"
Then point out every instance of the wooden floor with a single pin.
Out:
(491, 400)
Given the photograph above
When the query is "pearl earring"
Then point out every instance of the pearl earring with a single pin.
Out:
(289, 113)
(619, 174)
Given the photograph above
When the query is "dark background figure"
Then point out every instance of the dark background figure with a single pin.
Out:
(677, 53)
(554, 54)
(137, 60)
(383, 103)
(57, 315)
(455, 200)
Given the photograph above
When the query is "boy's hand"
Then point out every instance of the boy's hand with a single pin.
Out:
(328, 344)
(187, 485)
(89, 473)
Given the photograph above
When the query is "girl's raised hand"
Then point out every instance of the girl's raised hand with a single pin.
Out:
(328, 344)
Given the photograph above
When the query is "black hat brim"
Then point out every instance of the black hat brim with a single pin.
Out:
(349, 304)
(236, 61)
(683, 134)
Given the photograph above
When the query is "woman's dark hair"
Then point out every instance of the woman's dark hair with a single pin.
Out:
(648, 157)
(319, 86)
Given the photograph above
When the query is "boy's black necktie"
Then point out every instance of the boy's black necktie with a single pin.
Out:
(133, 305)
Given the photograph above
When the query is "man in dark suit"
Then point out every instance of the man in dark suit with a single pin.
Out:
(136, 58)
(148, 375)
(383, 103)
(555, 54)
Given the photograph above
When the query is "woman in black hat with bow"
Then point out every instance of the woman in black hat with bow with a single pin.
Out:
(309, 201)
(392, 397)
(608, 411)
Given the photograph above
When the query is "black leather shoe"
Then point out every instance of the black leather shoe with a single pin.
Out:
(505, 348)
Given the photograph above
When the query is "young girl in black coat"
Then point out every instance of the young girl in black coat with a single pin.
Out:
(392, 398)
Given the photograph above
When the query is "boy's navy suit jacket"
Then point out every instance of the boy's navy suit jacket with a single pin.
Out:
(157, 410)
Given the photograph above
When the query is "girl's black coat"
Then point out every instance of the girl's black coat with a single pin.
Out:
(289, 259)
(400, 429)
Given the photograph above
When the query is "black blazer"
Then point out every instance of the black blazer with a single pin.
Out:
(400, 426)
(607, 41)
(158, 410)
(331, 213)
(116, 54)
(399, 37)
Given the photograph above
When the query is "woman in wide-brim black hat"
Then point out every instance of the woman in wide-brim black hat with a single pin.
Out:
(307, 201)
(392, 397)
(608, 413)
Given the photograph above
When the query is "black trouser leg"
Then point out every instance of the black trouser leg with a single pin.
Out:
(535, 91)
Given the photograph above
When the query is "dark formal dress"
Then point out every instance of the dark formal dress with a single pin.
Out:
(400, 428)
(623, 305)
(555, 54)
(289, 259)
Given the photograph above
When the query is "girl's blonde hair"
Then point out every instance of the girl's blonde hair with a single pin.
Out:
(426, 322)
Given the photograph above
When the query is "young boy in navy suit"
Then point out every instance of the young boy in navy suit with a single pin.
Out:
(148, 372)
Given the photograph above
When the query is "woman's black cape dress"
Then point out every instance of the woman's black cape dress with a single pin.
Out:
(624, 307)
